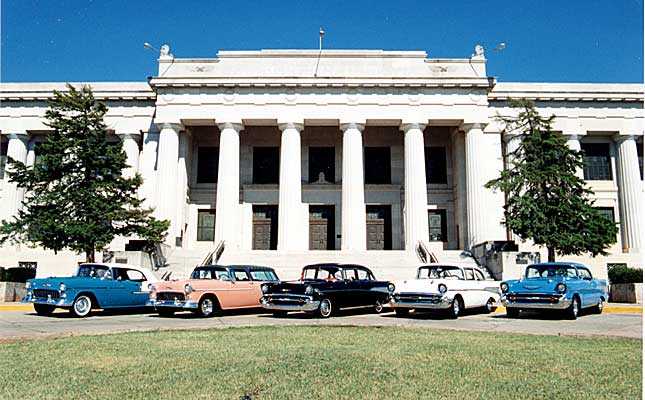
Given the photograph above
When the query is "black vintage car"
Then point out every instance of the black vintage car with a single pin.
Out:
(324, 289)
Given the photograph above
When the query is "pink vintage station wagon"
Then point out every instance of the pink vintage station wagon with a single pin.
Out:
(212, 288)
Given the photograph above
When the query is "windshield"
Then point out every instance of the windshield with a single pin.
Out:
(550, 271)
(327, 272)
(264, 275)
(210, 273)
(440, 272)
(93, 271)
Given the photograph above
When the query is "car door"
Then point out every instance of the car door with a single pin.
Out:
(589, 294)
(243, 292)
(133, 287)
(470, 288)
(369, 292)
(113, 281)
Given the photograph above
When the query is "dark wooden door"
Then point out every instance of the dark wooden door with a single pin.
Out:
(265, 232)
(379, 227)
(321, 228)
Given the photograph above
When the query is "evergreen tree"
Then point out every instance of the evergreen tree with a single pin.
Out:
(75, 195)
(546, 201)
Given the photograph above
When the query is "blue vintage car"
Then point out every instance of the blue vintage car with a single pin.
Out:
(94, 286)
(564, 286)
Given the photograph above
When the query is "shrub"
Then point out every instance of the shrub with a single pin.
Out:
(621, 273)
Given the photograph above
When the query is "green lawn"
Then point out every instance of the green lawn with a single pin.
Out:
(321, 363)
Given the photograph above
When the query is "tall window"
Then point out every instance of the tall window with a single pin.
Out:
(206, 225)
(437, 226)
(598, 161)
(639, 150)
(378, 167)
(266, 165)
(4, 146)
(607, 212)
(322, 160)
(436, 165)
(207, 164)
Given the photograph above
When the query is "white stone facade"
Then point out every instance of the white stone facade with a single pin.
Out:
(364, 113)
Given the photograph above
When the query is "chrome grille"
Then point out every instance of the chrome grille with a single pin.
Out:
(534, 297)
(418, 298)
(46, 293)
(171, 296)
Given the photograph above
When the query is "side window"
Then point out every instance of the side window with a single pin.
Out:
(241, 275)
(364, 275)
(350, 274)
(118, 274)
(584, 274)
(469, 274)
(134, 275)
(479, 276)
(222, 275)
(309, 273)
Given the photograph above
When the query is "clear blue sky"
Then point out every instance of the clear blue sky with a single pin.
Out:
(101, 40)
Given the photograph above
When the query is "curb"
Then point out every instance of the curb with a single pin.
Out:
(608, 309)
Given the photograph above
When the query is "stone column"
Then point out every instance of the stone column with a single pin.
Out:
(182, 185)
(475, 180)
(290, 201)
(353, 208)
(13, 197)
(512, 141)
(573, 141)
(629, 194)
(147, 164)
(227, 223)
(167, 157)
(130, 142)
(416, 190)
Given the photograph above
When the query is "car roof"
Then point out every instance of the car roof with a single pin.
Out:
(563, 263)
(145, 271)
(255, 267)
(458, 265)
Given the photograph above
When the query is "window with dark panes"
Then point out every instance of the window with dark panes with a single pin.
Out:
(266, 165)
(207, 164)
(639, 150)
(378, 167)
(437, 228)
(206, 225)
(4, 147)
(607, 212)
(322, 160)
(436, 171)
(598, 161)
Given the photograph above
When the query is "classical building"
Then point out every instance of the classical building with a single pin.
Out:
(296, 156)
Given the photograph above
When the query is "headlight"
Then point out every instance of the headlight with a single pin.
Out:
(265, 288)
(151, 287)
(309, 290)
(391, 287)
(62, 287)
(504, 287)
(188, 288)
(442, 288)
(28, 285)
(561, 288)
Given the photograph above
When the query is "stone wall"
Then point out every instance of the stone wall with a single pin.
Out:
(626, 293)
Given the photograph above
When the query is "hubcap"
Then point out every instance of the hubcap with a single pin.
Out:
(207, 307)
(575, 307)
(82, 305)
(378, 306)
(600, 305)
(325, 307)
(455, 307)
(489, 305)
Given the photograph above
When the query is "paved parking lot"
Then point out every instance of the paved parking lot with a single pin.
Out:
(25, 324)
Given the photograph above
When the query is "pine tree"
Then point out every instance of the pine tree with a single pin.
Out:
(546, 201)
(75, 195)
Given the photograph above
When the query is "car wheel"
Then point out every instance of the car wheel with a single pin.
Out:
(402, 312)
(455, 307)
(207, 307)
(600, 306)
(325, 309)
(512, 312)
(82, 306)
(378, 307)
(574, 308)
(44, 309)
(490, 306)
(279, 314)
(166, 312)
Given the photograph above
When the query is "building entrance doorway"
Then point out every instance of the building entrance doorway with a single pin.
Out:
(379, 227)
(322, 234)
(265, 227)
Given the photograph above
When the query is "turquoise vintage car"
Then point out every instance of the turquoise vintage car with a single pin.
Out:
(94, 286)
(564, 286)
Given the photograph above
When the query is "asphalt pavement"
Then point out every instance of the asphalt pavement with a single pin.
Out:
(20, 322)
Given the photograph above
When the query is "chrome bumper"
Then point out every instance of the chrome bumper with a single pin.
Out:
(423, 303)
(291, 303)
(171, 304)
(535, 303)
(64, 302)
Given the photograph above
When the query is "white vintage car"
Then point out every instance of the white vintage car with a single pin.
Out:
(449, 287)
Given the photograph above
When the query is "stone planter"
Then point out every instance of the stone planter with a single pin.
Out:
(626, 293)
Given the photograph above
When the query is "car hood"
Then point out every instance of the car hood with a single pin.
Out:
(72, 282)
